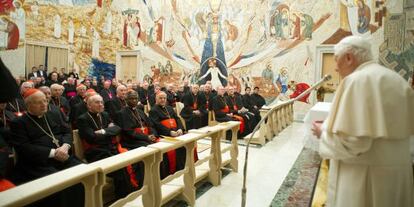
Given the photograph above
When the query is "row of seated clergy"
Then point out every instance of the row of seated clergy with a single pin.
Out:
(138, 130)
(43, 144)
(99, 137)
(230, 107)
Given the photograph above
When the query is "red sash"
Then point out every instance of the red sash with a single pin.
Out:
(5, 185)
(130, 170)
(142, 130)
(172, 156)
(169, 123)
(235, 107)
(87, 146)
(195, 106)
(242, 124)
(207, 105)
(225, 110)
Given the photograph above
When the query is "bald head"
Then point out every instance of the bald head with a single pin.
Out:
(220, 90)
(95, 104)
(161, 98)
(195, 88)
(36, 103)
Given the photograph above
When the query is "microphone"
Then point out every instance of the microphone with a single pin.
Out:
(317, 84)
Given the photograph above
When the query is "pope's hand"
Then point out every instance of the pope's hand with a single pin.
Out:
(317, 129)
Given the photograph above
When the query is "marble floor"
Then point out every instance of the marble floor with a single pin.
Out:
(268, 168)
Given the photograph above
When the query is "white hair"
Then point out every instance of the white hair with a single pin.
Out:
(92, 98)
(120, 87)
(356, 45)
(55, 86)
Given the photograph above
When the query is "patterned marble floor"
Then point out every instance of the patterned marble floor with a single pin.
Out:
(268, 167)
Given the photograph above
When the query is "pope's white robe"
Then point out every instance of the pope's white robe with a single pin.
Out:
(366, 138)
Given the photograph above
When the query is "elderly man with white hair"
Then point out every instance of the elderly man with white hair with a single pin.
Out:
(117, 103)
(366, 135)
(98, 134)
(58, 100)
(17, 105)
(43, 145)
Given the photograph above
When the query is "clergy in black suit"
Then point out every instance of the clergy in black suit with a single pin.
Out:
(137, 131)
(167, 123)
(143, 93)
(137, 128)
(43, 145)
(58, 100)
(98, 135)
(80, 95)
(239, 112)
(117, 103)
(33, 73)
(171, 95)
(194, 108)
(208, 96)
(259, 101)
(249, 103)
(106, 93)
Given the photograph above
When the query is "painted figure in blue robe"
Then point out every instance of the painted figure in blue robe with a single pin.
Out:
(282, 80)
(364, 17)
(213, 50)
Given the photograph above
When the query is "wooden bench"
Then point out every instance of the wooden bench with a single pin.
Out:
(114, 163)
(181, 183)
(216, 142)
(40, 188)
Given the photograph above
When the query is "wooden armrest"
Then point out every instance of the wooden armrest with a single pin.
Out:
(119, 161)
(45, 186)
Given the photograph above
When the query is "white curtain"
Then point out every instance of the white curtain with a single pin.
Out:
(57, 57)
(35, 56)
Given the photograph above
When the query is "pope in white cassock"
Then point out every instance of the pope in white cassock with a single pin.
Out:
(366, 135)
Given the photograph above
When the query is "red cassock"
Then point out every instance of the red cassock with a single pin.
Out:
(125, 32)
(13, 33)
(239, 118)
(300, 88)
(172, 157)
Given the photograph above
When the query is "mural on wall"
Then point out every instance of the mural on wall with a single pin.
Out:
(12, 25)
(242, 43)
(397, 51)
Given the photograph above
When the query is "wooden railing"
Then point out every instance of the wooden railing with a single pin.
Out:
(38, 189)
(114, 163)
(281, 115)
(155, 192)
